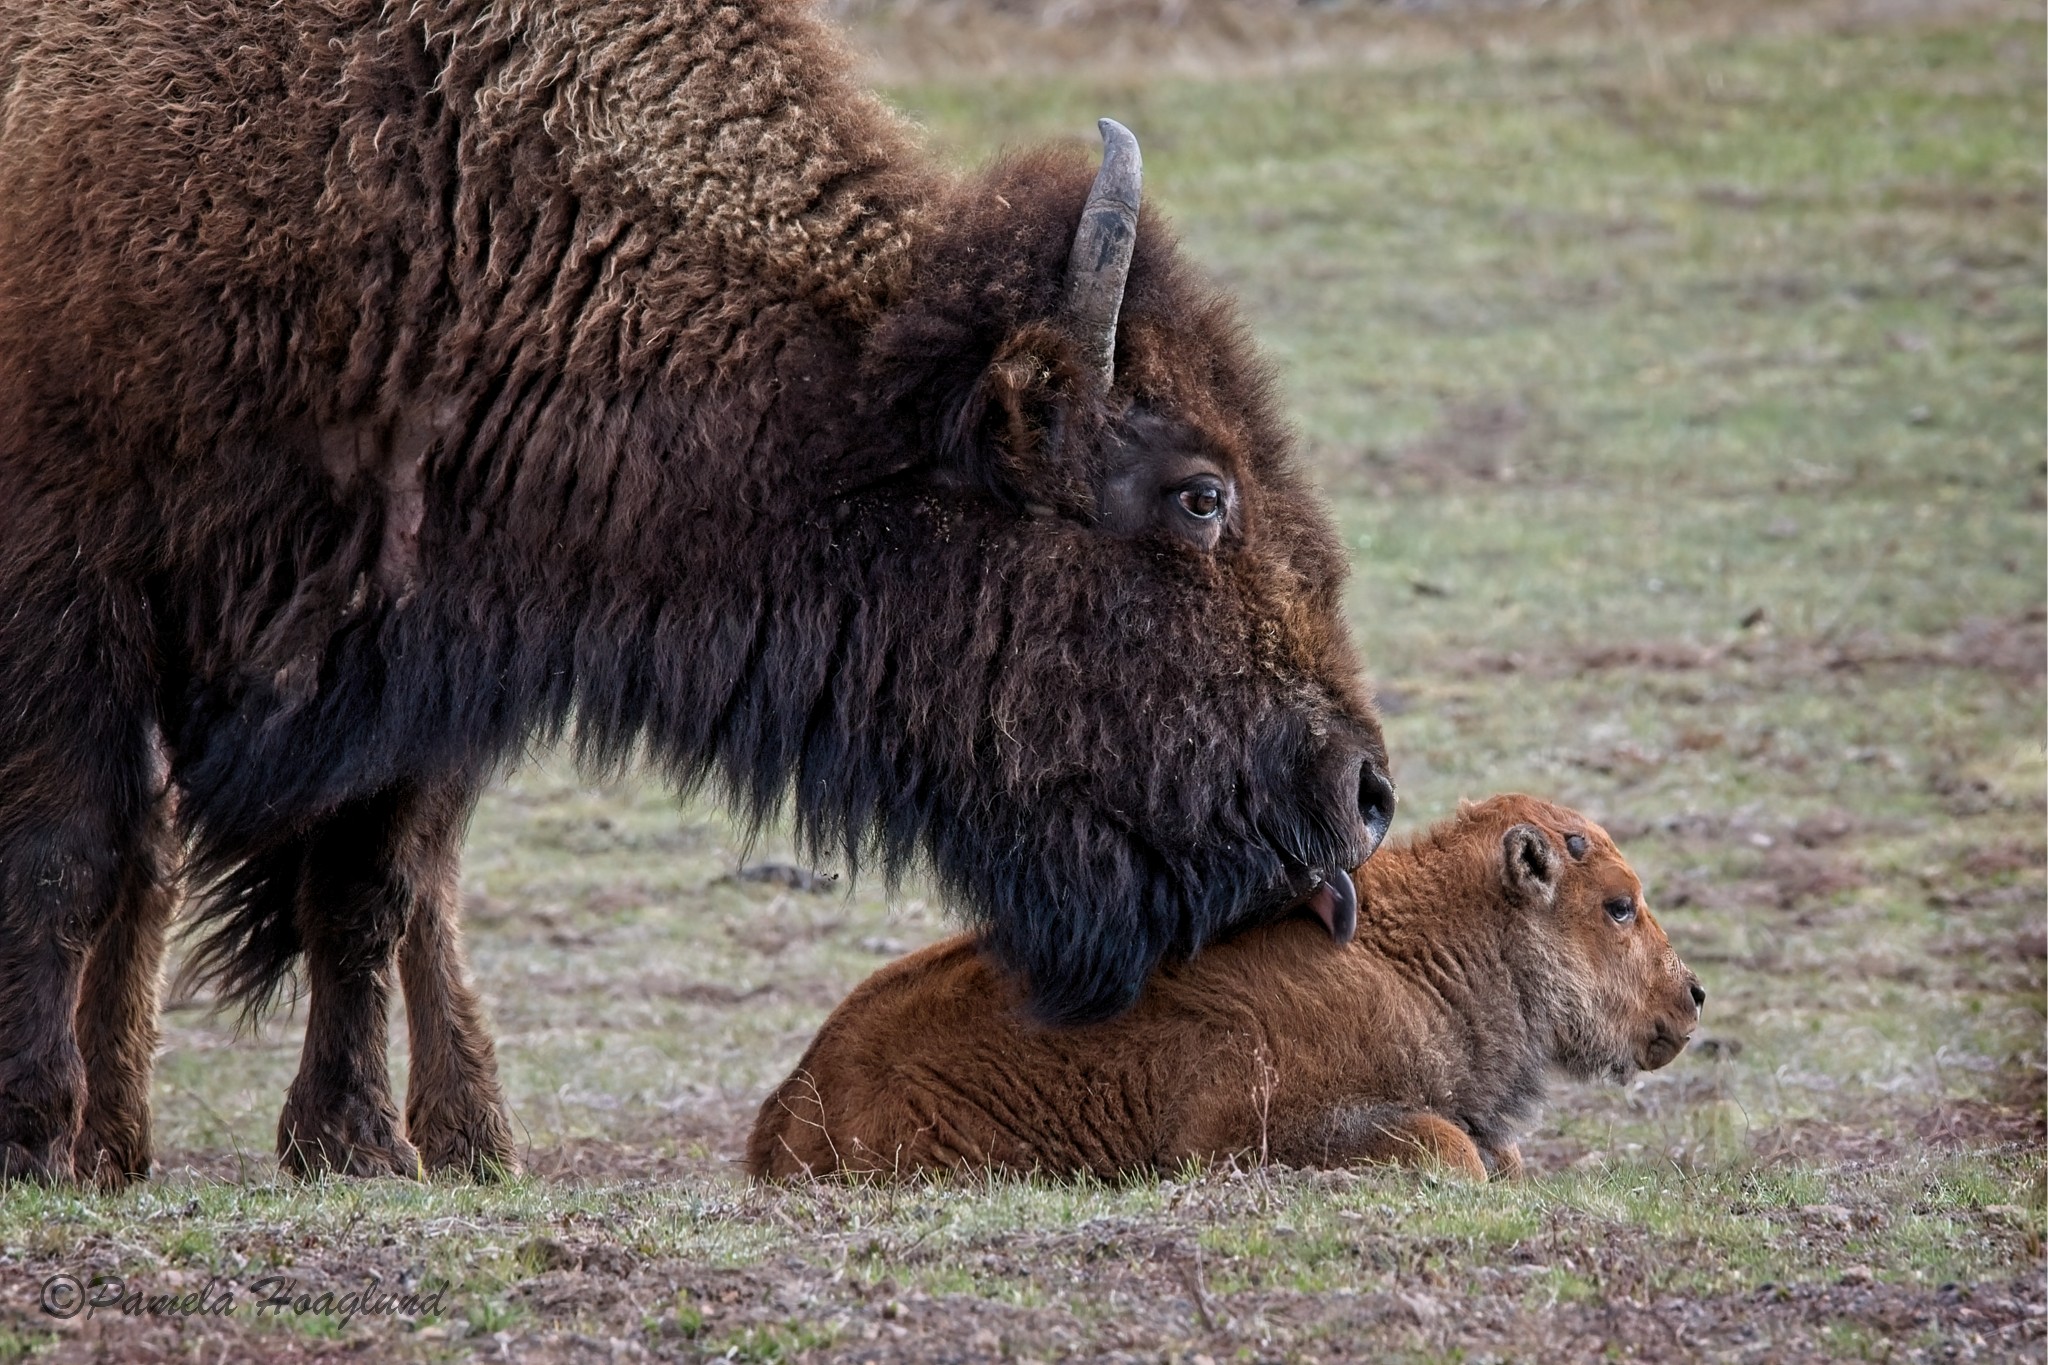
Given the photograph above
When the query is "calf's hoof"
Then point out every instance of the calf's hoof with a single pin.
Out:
(353, 1136)
(1503, 1163)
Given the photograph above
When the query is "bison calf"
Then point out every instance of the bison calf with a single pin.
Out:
(1507, 941)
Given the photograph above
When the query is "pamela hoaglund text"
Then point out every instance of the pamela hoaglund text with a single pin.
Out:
(68, 1296)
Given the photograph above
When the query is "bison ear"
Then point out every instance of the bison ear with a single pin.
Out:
(1531, 867)
(1015, 431)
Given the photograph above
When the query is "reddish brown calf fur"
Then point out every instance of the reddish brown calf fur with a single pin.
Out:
(1498, 945)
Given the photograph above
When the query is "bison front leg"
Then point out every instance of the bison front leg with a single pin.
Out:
(42, 1076)
(354, 900)
(117, 1013)
(454, 1110)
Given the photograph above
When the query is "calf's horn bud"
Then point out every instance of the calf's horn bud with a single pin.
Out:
(1101, 256)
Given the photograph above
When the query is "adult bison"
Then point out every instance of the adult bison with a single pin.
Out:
(382, 384)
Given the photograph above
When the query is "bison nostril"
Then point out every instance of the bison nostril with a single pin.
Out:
(1699, 997)
(1375, 804)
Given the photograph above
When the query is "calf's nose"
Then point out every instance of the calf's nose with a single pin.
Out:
(1692, 988)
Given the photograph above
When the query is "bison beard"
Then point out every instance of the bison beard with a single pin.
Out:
(384, 387)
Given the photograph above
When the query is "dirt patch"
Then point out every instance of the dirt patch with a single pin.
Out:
(777, 927)
(2013, 647)
(1801, 876)
(703, 1138)
(2005, 1123)
(216, 1166)
(1828, 827)
(787, 876)
(1484, 439)
(2018, 647)
(1149, 1309)
(652, 1157)
(1996, 872)
(844, 1285)
(1772, 1322)
(2000, 860)
(1985, 1125)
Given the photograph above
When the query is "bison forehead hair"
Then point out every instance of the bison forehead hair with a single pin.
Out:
(393, 383)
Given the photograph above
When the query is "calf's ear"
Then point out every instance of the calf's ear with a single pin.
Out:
(1531, 865)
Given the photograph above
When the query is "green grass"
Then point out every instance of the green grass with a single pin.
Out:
(1686, 421)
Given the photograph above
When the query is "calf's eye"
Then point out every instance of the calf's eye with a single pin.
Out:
(1575, 844)
(1203, 501)
(1622, 909)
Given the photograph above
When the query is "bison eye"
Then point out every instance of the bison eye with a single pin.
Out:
(1622, 909)
(1575, 844)
(1203, 501)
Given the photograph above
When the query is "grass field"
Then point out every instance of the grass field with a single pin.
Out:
(1683, 402)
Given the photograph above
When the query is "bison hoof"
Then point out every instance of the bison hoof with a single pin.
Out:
(356, 1137)
(46, 1162)
(43, 1164)
(111, 1160)
(473, 1146)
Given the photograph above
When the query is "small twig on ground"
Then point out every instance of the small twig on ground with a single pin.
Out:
(1640, 32)
(1825, 636)
(1191, 1276)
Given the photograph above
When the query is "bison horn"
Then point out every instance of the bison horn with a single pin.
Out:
(1101, 257)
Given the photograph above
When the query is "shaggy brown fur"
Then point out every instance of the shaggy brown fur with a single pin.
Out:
(385, 383)
(1499, 945)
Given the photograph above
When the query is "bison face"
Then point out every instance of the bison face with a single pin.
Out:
(1622, 1000)
(1120, 695)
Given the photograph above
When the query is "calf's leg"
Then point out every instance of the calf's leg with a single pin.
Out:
(1383, 1133)
(1425, 1140)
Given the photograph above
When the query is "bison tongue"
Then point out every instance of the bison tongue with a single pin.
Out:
(1336, 905)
